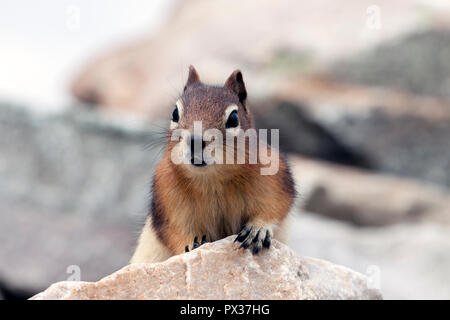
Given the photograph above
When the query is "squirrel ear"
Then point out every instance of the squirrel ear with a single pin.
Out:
(192, 78)
(235, 82)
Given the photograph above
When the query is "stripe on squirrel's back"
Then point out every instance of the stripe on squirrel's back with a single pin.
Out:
(158, 216)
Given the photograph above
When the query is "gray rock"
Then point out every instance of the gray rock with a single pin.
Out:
(74, 191)
(388, 106)
(300, 133)
(280, 39)
(405, 145)
(365, 198)
(75, 186)
(419, 63)
(382, 129)
(406, 261)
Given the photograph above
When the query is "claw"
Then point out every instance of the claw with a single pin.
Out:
(196, 244)
(256, 237)
(245, 244)
(257, 248)
(267, 240)
(243, 234)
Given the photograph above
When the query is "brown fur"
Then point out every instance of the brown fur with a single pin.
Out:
(218, 203)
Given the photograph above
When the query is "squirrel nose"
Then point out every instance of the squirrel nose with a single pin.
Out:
(196, 141)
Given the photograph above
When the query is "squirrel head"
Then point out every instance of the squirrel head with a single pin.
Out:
(212, 105)
(220, 108)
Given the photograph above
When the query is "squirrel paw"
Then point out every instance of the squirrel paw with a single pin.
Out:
(196, 244)
(258, 236)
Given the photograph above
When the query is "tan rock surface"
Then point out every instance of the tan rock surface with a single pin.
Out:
(220, 271)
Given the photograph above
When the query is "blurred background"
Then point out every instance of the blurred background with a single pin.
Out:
(360, 91)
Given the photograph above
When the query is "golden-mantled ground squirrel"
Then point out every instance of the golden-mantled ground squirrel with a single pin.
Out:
(193, 201)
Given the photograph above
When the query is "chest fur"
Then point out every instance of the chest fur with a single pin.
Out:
(214, 210)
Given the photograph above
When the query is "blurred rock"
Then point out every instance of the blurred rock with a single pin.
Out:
(14, 293)
(415, 140)
(406, 261)
(280, 39)
(396, 132)
(75, 187)
(419, 63)
(74, 190)
(300, 133)
(365, 198)
(215, 271)
(299, 81)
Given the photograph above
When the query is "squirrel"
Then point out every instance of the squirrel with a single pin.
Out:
(212, 201)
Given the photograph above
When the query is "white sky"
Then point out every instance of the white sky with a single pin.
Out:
(42, 45)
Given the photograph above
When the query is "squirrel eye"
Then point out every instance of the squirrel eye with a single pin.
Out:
(233, 120)
(175, 115)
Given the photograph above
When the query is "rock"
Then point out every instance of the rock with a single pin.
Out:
(74, 192)
(412, 144)
(316, 141)
(409, 146)
(406, 260)
(365, 198)
(395, 132)
(14, 293)
(146, 76)
(220, 270)
(419, 62)
(380, 100)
